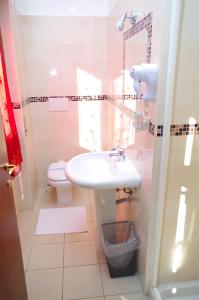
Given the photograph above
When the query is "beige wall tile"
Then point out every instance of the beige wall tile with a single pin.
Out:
(189, 45)
(85, 51)
(186, 104)
(191, 8)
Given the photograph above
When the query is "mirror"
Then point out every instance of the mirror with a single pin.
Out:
(137, 50)
(135, 54)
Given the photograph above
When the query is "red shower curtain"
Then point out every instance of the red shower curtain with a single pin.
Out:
(10, 129)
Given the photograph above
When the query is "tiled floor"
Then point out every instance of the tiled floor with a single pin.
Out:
(64, 267)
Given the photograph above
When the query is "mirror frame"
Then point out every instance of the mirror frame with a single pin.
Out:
(143, 24)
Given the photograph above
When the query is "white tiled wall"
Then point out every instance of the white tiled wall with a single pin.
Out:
(64, 8)
(69, 45)
(76, 48)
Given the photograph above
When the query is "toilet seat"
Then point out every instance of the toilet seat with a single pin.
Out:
(56, 171)
(57, 175)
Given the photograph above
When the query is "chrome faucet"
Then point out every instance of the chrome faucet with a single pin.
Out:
(118, 152)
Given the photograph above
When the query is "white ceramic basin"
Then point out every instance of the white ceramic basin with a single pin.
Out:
(97, 170)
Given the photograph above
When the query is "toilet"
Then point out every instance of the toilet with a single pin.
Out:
(58, 179)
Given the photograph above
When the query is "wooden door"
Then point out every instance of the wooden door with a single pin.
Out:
(12, 276)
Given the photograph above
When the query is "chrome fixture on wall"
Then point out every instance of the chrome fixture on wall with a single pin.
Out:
(133, 19)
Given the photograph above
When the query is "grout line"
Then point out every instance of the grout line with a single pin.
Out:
(43, 269)
(91, 264)
(83, 265)
(82, 241)
(64, 239)
(63, 283)
(99, 265)
(95, 297)
(112, 295)
(30, 251)
(49, 243)
(28, 258)
(123, 294)
(89, 240)
(63, 269)
(46, 244)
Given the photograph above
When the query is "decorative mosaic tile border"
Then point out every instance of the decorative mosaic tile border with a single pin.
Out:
(70, 98)
(184, 129)
(145, 23)
(16, 105)
(152, 128)
(160, 130)
(123, 97)
(175, 129)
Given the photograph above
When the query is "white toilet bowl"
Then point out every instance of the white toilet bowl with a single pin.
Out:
(58, 179)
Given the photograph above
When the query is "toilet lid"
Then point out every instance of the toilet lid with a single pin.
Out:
(56, 171)
(58, 165)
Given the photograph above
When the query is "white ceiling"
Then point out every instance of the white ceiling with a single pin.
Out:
(111, 4)
(64, 7)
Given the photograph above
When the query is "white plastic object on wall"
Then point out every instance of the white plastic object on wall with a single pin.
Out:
(147, 73)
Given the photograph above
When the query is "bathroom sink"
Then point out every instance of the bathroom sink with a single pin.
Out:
(98, 170)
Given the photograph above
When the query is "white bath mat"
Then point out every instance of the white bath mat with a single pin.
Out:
(62, 220)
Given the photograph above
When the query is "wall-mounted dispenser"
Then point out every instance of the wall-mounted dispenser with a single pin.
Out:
(148, 74)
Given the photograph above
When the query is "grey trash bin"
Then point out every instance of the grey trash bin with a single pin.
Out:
(120, 243)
